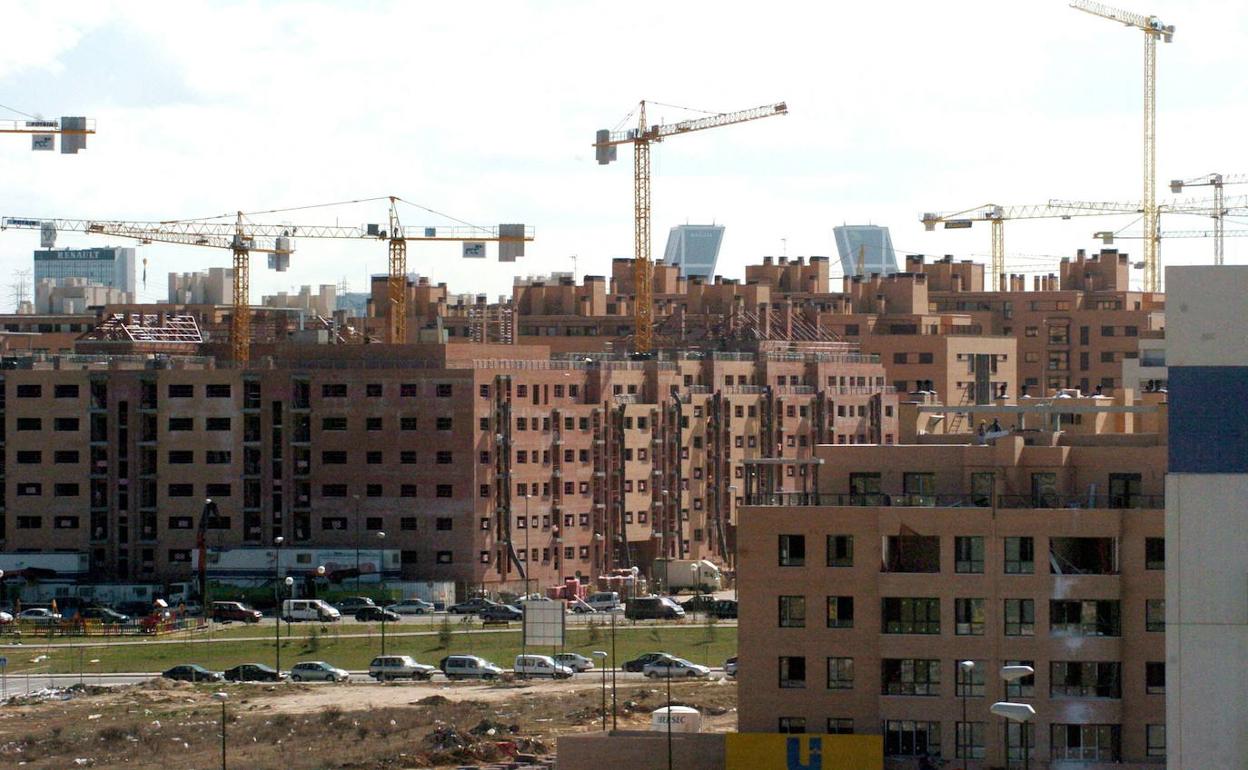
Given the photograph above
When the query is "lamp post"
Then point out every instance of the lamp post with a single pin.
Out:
(528, 562)
(668, 666)
(277, 598)
(381, 555)
(967, 667)
(223, 697)
(614, 709)
(1016, 712)
(732, 497)
(667, 559)
(357, 543)
(601, 655)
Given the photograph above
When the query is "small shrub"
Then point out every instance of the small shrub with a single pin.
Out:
(594, 632)
(445, 634)
(331, 714)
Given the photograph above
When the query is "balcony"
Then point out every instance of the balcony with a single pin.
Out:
(1005, 502)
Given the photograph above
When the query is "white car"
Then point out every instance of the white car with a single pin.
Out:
(5, 618)
(318, 671)
(675, 668)
(411, 607)
(577, 663)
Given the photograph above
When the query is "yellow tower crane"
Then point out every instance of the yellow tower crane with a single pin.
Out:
(242, 237)
(72, 130)
(641, 138)
(1153, 29)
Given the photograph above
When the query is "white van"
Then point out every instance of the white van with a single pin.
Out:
(541, 665)
(604, 601)
(309, 609)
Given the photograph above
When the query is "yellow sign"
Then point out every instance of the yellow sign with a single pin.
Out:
(773, 751)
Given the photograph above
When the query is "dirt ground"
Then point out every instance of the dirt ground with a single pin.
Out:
(176, 726)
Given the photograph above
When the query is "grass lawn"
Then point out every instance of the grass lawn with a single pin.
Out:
(708, 644)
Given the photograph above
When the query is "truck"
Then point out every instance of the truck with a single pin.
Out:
(699, 575)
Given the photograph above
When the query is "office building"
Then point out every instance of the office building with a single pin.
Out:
(213, 287)
(1206, 523)
(106, 266)
(694, 249)
(1044, 546)
(871, 244)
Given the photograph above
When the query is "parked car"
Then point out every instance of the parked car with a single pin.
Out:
(580, 607)
(191, 672)
(637, 664)
(502, 612)
(676, 668)
(253, 672)
(653, 608)
(103, 615)
(374, 614)
(604, 601)
(469, 667)
(472, 606)
(229, 611)
(541, 665)
(136, 608)
(387, 667)
(699, 603)
(411, 607)
(725, 609)
(353, 603)
(317, 671)
(572, 660)
(309, 609)
(5, 618)
(40, 616)
(730, 666)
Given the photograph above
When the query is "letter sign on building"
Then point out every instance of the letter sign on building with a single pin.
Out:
(775, 751)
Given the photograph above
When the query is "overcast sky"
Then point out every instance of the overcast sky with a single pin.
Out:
(486, 111)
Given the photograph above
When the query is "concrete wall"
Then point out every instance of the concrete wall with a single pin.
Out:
(640, 751)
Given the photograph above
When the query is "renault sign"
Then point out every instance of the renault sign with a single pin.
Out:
(773, 751)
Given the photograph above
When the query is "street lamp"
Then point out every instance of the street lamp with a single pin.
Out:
(381, 555)
(732, 497)
(277, 598)
(223, 697)
(601, 655)
(1016, 712)
(528, 562)
(357, 543)
(967, 667)
(667, 561)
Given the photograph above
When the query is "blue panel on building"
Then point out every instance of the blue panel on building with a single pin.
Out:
(1208, 419)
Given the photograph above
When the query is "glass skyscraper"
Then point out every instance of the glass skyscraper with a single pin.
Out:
(695, 249)
(108, 266)
(872, 242)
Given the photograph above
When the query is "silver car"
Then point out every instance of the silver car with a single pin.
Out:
(318, 671)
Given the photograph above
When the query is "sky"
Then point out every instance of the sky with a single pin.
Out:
(486, 111)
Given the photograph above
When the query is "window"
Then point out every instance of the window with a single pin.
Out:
(181, 522)
(373, 490)
(65, 456)
(840, 673)
(181, 490)
(373, 390)
(29, 522)
(864, 489)
(444, 458)
(65, 423)
(1020, 617)
(911, 616)
(407, 457)
(218, 423)
(333, 423)
(1086, 743)
(181, 391)
(910, 676)
(908, 738)
(840, 612)
(792, 671)
(792, 611)
(791, 725)
(1031, 331)
(334, 457)
(217, 456)
(373, 457)
(1155, 615)
(1082, 679)
(407, 490)
(1088, 617)
(333, 490)
(407, 423)
(65, 391)
(444, 523)
(29, 457)
(1024, 687)
(792, 550)
(840, 726)
(1155, 740)
(407, 523)
(29, 391)
(968, 617)
(1154, 553)
(968, 554)
(840, 550)
(1155, 677)
(65, 490)
(444, 557)
(911, 553)
(971, 740)
(443, 390)
(1019, 556)
(332, 390)
(372, 423)
(918, 489)
(29, 490)
(218, 390)
(29, 423)
(444, 490)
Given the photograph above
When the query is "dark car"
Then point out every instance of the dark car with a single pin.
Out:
(699, 603)
(502, 612)
(653, 608)
(253, 672)
(472, 606)
(637, 664)
(135, 609)
(352, 603)
(371, 614)
(103, 614)
(191, 672)
(226, 611)
(725, 609)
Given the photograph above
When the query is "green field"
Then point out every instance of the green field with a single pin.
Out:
(702, 644)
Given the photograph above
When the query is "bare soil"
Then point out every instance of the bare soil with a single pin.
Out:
(176, 726)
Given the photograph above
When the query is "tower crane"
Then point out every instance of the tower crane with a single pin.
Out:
(72, 130)
(1153, 28)
(641, 138)
(242, 237)
(1216, 181)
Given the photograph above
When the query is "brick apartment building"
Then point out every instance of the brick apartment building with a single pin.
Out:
(474, 460)
(1040, 548)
